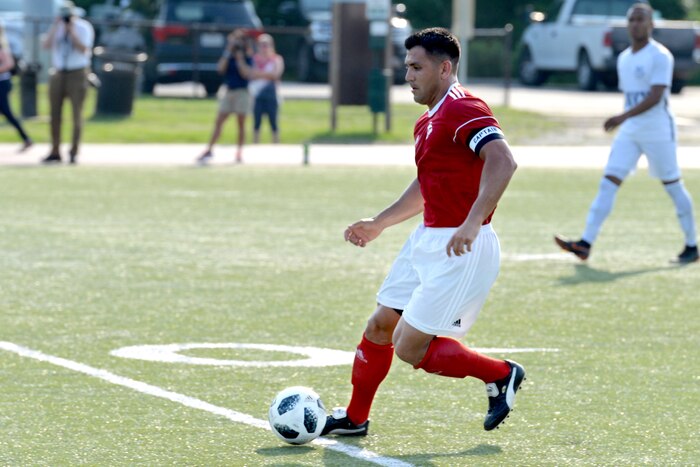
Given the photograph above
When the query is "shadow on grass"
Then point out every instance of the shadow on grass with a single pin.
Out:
(477, 451)
(586, 274)
(417, 459)
(280, 451)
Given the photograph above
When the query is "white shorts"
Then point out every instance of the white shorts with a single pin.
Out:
(625, 153)
(438, 294)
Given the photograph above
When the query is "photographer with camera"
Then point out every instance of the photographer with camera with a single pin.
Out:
(235, 99)
(70, 40)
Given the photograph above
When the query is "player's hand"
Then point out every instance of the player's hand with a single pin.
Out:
(462, 240)
(362, 232)
(613, 122)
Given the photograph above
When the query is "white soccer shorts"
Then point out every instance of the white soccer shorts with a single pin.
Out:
(441, 295)
(625, 153)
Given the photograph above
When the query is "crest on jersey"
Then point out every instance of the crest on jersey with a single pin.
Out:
(430, 130)
(639, 72)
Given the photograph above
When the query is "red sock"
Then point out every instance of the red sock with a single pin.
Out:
(448, 357)
(371, 365)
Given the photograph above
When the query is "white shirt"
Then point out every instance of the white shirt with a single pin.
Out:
(64, 55)
(637, 73)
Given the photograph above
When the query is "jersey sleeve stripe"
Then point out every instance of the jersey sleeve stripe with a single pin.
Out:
(454, 139)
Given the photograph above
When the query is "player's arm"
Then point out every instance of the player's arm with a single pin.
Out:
(653, 98)
(499, 167)
(408, 205)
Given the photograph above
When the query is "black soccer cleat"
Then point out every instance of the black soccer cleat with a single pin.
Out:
(580, 248)
(688, 255)
(338, 423)
(502, 396)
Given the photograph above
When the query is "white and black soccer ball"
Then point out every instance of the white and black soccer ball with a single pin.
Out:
(297, 415)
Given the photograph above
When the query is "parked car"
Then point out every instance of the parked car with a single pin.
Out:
(117, 28)
(586, 36)
(311, 51)
(189, 37)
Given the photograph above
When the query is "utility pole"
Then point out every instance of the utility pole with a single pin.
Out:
(463, 18)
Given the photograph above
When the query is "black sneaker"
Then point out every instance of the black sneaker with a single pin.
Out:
(338, 423)
(580, 248)
(73, 159)
(502, 396)
(688, 255)
(51, 159)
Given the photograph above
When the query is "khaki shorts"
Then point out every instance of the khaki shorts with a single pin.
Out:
(234, 101)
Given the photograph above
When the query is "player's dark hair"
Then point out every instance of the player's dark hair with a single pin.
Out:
(641, 6)
(437, 42)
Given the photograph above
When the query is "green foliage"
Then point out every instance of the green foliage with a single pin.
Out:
(670, 9)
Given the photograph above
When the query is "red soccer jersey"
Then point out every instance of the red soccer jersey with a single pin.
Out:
(448, 138)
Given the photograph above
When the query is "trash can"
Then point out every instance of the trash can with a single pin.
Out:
(27, 84)
(118, 72)
(377, 90)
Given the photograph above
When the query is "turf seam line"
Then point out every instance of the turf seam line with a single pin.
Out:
(192, 402)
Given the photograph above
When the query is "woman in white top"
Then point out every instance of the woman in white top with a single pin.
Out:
(268, 67)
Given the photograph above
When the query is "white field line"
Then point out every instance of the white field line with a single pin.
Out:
(193, 402)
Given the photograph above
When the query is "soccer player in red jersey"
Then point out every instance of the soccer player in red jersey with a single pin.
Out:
(441, 278)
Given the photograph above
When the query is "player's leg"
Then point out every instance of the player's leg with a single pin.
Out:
(375, 352)
(447, 303)
(663, 164)
(372, 362)
(623, 158)
(624, 155)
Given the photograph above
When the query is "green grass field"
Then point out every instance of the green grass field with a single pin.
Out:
(94, 259)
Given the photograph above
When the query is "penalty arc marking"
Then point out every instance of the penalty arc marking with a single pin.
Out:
(316, 356)
(192, 402)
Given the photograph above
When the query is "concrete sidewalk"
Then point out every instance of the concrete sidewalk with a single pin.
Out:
(317, 154)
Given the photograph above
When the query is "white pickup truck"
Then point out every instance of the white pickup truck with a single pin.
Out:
(586, 36)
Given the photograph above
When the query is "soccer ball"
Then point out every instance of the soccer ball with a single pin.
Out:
(297, 415)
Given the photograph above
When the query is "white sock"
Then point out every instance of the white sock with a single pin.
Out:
(684, 210)
(600, 209)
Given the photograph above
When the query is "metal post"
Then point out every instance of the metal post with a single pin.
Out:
(508, 63)
(305, 160)
(389, 71)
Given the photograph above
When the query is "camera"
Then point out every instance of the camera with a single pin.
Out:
(66, 18)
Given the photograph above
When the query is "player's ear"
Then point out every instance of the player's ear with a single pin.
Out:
(446, 68)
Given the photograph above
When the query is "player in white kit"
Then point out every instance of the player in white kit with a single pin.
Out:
(645, 71)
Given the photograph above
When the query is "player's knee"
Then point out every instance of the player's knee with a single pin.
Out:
(379, 330)
(616, 180)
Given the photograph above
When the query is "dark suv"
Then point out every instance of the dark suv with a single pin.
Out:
(189, 37)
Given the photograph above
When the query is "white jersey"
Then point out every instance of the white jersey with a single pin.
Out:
(637, 73)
